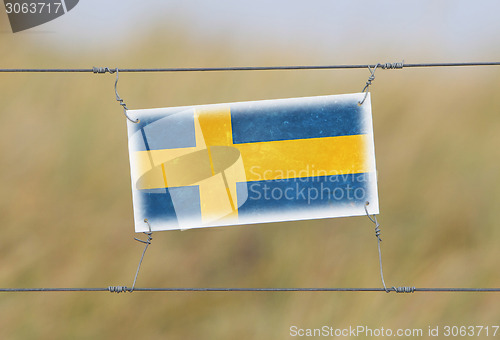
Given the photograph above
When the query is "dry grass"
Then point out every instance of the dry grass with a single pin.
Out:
(65, 205)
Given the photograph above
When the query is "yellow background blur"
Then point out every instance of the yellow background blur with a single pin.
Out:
(66, 208)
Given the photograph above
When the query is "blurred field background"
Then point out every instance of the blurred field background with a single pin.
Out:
(66, 208)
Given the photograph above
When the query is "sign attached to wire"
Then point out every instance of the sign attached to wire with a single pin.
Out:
(252, 162)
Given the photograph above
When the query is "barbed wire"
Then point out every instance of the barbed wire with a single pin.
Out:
(398, 65)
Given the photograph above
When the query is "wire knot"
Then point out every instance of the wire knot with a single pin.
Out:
(370, 79)
(147, 233)
(103, 70)
(120, 100)
(368, 82)
(378, 232)
(374, 221)
(118, 289)
(148, 241)
(392, 66)
(402, 289)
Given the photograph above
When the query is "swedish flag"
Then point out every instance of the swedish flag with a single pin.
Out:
(252, 162)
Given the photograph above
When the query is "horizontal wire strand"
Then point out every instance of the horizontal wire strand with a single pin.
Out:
(249, 68)
(125, 289)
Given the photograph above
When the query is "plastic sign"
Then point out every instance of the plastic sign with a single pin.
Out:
(252, 162)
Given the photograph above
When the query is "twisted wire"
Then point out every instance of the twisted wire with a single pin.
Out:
(118, 99)
(117, 289)
(147, 242)
(404, 289)
(377, 234)
(251, 68)
(120, 289)
(392, 66)
(368, 83)
(379, 239)
(102, 70)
